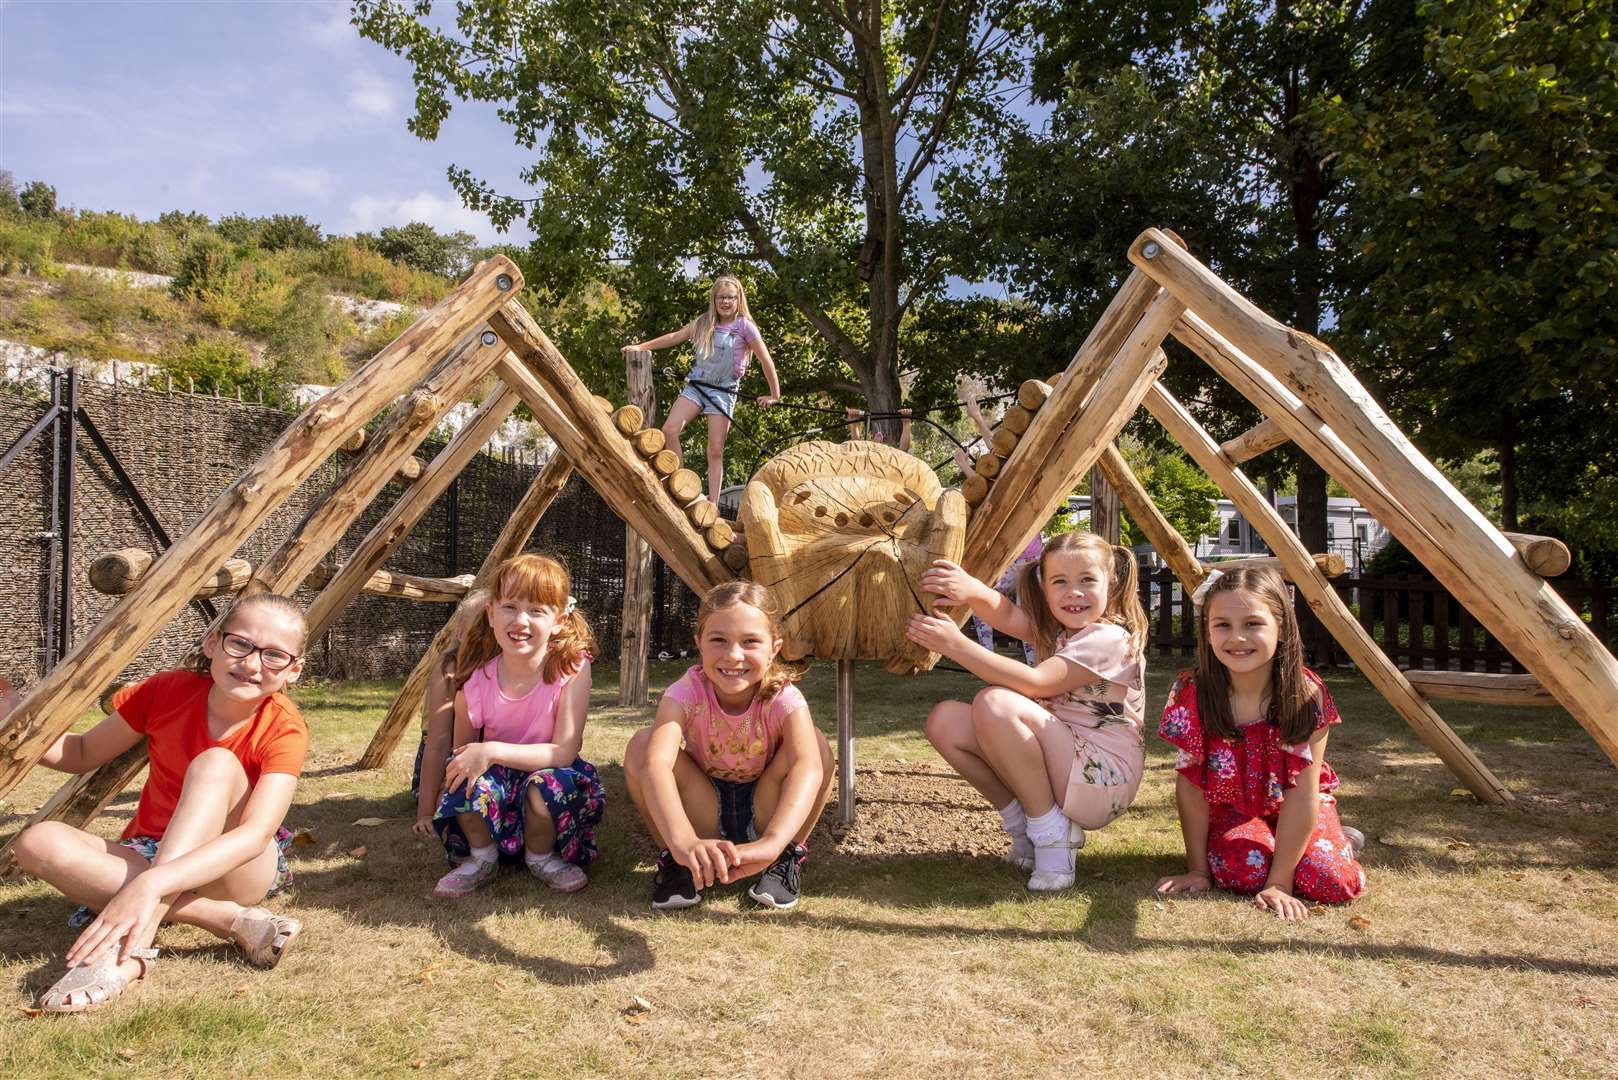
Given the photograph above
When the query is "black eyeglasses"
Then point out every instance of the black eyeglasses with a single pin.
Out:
(241, 648)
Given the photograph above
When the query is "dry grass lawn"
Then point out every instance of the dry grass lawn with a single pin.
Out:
(1486, 945)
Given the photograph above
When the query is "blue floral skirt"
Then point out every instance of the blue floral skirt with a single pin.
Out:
(575, 797)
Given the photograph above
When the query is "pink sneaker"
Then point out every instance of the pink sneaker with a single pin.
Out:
(466, 878)
(558, 874)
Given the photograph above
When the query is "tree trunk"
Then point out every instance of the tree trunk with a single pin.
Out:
(881, 255)
(1508, 475)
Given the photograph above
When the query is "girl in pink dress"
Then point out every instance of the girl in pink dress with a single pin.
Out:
(1057, 747)
(1254, 789)
(515, 787)
(732, 775)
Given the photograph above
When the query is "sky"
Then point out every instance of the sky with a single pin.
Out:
(224, 106)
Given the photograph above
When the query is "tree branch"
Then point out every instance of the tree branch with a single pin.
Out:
(912, 82)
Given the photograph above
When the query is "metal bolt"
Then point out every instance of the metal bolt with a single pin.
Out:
(1148, 250)
(503, 282)
(488, 337)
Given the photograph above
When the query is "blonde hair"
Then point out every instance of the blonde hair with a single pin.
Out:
(734, 593)
(197, 660)
(702, 329)
(1123, 592)
(468, 613)
(530, 579)
(1292, 707)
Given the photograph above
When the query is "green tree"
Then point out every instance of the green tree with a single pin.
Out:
(282, 232)
(1179, 489)
(9, 204)
(792, 141)
(38, 199)
(420, 245)
(1484, 234)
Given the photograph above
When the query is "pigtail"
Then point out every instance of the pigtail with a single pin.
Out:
(571, 644)
(1123, 599)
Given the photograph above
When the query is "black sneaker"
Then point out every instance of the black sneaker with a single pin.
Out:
(673, 888)
(778, 886)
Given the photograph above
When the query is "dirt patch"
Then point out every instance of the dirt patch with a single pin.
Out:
(905, 809)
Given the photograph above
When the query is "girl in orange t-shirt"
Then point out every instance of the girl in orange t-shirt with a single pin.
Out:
(206, 843)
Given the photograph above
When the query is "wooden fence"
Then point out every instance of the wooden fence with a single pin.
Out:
(1414, 619)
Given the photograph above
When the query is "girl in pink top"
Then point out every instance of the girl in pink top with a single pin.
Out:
(515, 786)
(732, 751)
(1057, 747)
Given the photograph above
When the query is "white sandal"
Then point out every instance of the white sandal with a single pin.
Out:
(263, 936)
(92, 985)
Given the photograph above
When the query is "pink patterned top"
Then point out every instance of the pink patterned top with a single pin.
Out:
(1116, 702)
(528, 720)
(727, 746)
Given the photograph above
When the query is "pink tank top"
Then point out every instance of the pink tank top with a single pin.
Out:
(528, 719)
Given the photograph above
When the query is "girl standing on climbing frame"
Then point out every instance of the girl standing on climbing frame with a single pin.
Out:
(722, 337)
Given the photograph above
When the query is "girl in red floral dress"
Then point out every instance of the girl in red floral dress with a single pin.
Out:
(1254, 790)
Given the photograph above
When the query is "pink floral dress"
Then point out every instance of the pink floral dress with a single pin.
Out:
(1244, 781)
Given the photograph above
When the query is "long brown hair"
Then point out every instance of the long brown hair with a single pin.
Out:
(1291, 697)
(530, 579)
(729, 595)
(197, 660)
(468, 613)
(702, 329)
(1123, 592)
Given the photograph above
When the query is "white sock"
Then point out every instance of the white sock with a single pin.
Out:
(1013, 820)
(549, 860)
(1048, 831)
(485, 854)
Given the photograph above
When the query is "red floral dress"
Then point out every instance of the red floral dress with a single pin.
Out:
(1244, 781)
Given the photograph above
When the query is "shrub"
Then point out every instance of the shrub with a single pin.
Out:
(218, 364)
(26, 245)
(37, 199)
(289, 231)
(303, 340)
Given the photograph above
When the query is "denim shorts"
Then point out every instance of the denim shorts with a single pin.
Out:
(735, 809)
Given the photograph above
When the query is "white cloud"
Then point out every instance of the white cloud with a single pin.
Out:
(443, 212)
(369, 94)
(329, 26)
(311, 181)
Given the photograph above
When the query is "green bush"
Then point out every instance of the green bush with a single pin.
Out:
(289, 231)
(219, 364)
(26, 245)
(303, 342)
(37, 199)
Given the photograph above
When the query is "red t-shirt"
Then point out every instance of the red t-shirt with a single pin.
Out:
(171, 710)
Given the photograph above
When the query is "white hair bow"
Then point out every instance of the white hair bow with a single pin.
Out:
(572, 603)
(1200, 593)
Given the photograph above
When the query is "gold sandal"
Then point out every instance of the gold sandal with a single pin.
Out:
(263, 936)
(92, 985)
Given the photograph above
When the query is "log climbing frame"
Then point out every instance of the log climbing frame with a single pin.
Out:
(1058, 431)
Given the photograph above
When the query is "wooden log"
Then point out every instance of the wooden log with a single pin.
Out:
(684, 485)
(1544, 555)
(736, 556)
(988, 466)
(1323, 599)
(665, 463)
(1456, 543)
(1164, 538)
(1262, 437)
(353, 443)
(1486, 687)
(601, 403)
(1004, 441)
(629, 419)
(975, 488)
(719, 535)
(78, 801)
(117, 572)
(63, 695)
(410, 470)
(1065, 439)
(514, 535)
(612, 468)
(648, 441)
(1330, 564)
(701, 513)
(1017, 419)
(1033, 393)
(635, 627)
(237, 572)
(384, 538)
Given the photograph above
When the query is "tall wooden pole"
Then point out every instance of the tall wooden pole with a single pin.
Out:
(1104, 520)
(637, 617)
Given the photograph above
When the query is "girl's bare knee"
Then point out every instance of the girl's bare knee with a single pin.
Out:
(635, 754)
(38, 847)
(215, 763)
(943, 722)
